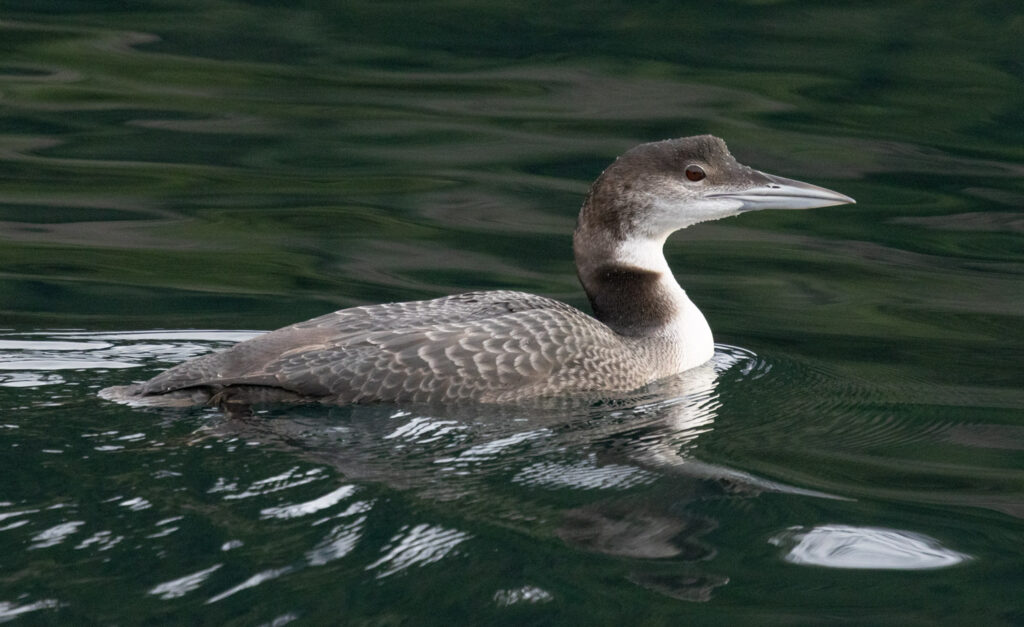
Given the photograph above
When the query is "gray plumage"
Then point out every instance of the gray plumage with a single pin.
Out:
(505, 346)
(483, 346)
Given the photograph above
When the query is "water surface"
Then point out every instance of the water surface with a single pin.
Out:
(179, 177)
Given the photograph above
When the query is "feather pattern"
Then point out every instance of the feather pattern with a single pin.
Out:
(482, 346)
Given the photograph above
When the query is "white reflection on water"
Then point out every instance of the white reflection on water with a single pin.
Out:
(418, 546)
(36, 362)
(489, 450)
(526, 594)
(176, 588)
(136, 504)
(843, 546)
(424, 429)
(30, 359)
(309, 507)
(21, 345)
(291, 478)
(197, 335)
(20, 512)
(251, 582)
(584, 475)
(103, 539)
(29, 379)
(55, 535)
(10, 611)
(338, 543)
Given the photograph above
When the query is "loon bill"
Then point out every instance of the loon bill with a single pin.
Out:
(504, 346)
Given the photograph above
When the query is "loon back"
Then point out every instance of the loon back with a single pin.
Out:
(484, 346)
(506, 346)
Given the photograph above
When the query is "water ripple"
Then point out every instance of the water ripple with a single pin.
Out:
(9, 611)
(583, 475)
(417, 546)
(181, 586)
(525, 594)
(330, 499)
(251, 582)
(338, 543)
(55, 535)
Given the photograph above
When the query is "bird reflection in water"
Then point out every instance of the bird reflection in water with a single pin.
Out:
(632, 459)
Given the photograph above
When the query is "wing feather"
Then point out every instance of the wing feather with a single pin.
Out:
(479, 345)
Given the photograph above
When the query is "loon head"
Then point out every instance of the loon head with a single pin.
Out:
(661, 187)
(647, 194)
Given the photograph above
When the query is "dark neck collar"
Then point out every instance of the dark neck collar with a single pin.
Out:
(632, 301)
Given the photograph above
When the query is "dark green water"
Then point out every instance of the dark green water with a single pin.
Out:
(855, 455)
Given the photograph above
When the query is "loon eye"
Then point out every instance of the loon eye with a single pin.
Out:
(695, 172)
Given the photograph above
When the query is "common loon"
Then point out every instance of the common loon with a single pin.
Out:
(506, 346)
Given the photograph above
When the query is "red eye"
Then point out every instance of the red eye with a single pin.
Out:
(695, 172)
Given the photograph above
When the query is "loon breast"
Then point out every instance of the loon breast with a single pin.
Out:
(506, 346)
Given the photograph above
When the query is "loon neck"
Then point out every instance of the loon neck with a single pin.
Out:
(632, 289)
